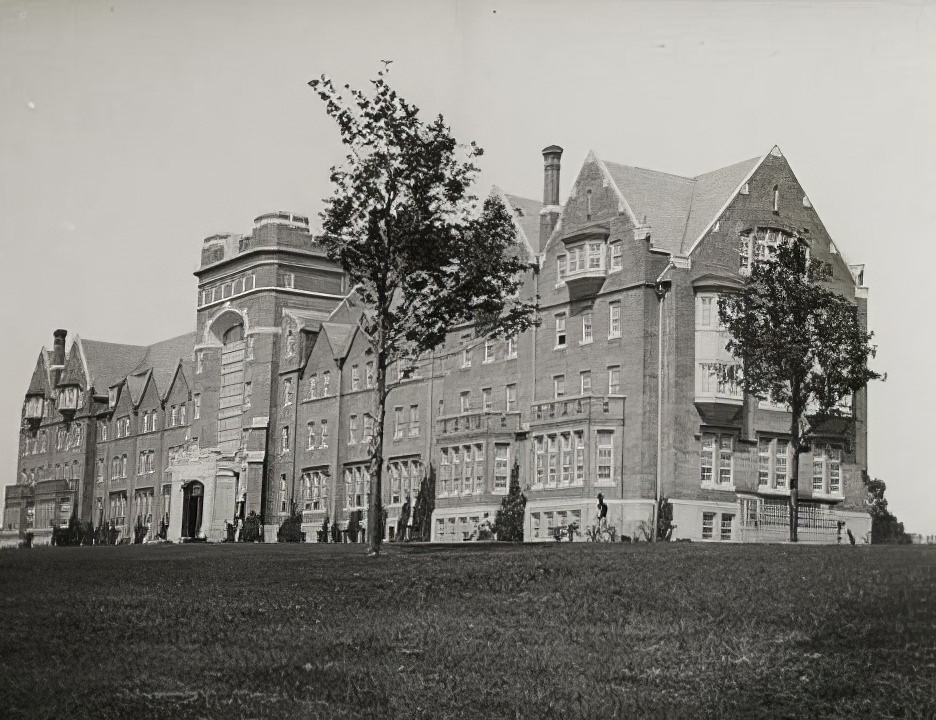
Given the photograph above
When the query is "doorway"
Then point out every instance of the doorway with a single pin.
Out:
(192, 504)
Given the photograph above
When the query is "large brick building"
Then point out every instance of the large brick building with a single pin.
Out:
(267, 403)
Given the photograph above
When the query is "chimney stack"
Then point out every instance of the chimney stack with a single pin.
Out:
(549, 215)
(58, 355)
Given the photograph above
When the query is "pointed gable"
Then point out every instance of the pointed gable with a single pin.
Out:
(178, 385)
(526, 216)
(162, 359)
(136, 386)
(340, 336)
(39, 383)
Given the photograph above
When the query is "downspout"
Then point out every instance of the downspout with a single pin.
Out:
(662, 286)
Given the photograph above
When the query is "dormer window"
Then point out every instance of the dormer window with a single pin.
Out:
(617, 255)
(111, 398)
(68, 398)
(745, 189)
(34, 407)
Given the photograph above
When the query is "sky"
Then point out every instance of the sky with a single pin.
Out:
(130, 131)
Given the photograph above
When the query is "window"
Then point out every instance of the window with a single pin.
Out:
(486, 401)
(414, 420)
(567, 458)
(605, 457)
(282, 492)
(368, 427)
(562, 267)
(501, 467)
(314, 490)
(324, 433)
(585, 382)
(249, 353)
(776, 199)
(717, 460)
(154, 422)
(397, 423)
(488, 351)
(355, 377)
(290, 343)
(146, 422)
(199, 362)
(310, 428)
(579, 457)
(758, 246)
(465, 399)
(708, 525)
(313, 385)
(614, 320)
(560, 330)
(511, 347)
(617, 255)
(466, 358)
(827, 470)
(141, 462)
(369, 373)
(595, 256)
(745, 189)
(586, 327)
(182, 413)
(352, 429)
(552, 460)
(614, 380)
(284, 439)
(248, 393)
(727, 520)
(511, 398)
(707, 311)
(173, 415)
(326, 379)
(773, 456)
(123, 466)
(558, 386)
(287, 392)
(196, 408)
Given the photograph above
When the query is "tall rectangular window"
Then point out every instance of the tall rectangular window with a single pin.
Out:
(355, 377)
(605, 456)
(717, 459)
(326, 379)
(511, 347)
(708, 525)
(579, 457)
(486, 400)
(465, 399)
(287, 392)
(567, 457)
(586, 327)
(196, 406)
(562, 267)
(284, 439)
(614, 320)
(369, 374)
(560, 330)
(511, 397)
(313, 385)
(397, 423)
(501, 468)
(352, 429)
(310, 428)
(488, 351)
(324, 433)
(558, 386)
(552, 450)
(617, 255)
(585, 382)
(727, 520)
(614, 379)
(414, 420)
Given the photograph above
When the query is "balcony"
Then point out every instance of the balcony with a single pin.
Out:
(477, 423)
(597, 408)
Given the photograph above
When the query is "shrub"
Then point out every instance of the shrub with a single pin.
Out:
(323, 533)
(291, 529)
(250, 530)
(422, 509)
(508, 524)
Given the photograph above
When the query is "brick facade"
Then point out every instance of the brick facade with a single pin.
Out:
(609, 394)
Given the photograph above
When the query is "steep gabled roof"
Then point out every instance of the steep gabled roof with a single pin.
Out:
(39, 382)
(711, 194)
(526, 214)
(105, 363)
(663, 199)
(136, 385)
(163, 358)
(339, 336)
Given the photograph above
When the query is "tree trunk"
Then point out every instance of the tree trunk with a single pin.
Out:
(375, 502)
(795, 441)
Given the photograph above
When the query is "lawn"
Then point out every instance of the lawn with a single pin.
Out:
(468, 631)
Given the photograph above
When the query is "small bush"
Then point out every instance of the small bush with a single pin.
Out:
(291, 529)
(508, 523)
(250, 530)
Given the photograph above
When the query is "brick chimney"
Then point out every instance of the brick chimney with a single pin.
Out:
(549, 215)
(58, 355)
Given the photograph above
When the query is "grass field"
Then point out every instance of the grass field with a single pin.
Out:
(547, 631)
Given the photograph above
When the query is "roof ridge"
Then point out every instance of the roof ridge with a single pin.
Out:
(655, 172)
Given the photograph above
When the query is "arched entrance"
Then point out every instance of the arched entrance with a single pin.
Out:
(193, 500)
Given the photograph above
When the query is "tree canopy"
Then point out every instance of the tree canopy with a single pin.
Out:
(420, 252)
(800, 344)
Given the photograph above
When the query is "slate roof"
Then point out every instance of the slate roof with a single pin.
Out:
(339, 337)
(678, 209)
(39, 382)
(163, 358)
(107, 363)
(136, 384)
(528, 218)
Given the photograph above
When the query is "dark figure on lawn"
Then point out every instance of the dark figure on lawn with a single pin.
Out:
(602, 512)
(404, 520)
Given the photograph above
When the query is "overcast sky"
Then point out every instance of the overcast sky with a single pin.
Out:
(129, 131)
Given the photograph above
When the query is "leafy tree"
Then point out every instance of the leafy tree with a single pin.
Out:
(291, 529)
(250, 530)
(508, 523)
(407, 232)
(799, 343)
(885, 528)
